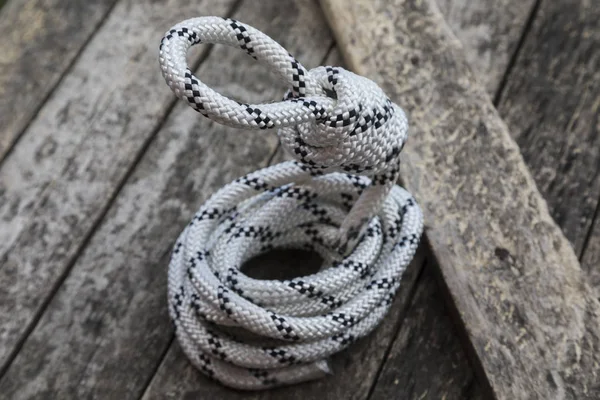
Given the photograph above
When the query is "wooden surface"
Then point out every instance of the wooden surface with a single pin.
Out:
(107, 322)
(512, 274)
(552, 102)
(55, 185)
(40, 40)
(490, 32)
(591, 258)
(98, 186)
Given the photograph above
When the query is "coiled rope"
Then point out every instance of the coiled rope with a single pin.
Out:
(338, 198)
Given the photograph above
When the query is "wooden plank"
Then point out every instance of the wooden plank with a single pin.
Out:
(513, 276)
(489, 32)
(40, 41)
(56, 183)
(427, 360)
(106, 329)
(551, 104)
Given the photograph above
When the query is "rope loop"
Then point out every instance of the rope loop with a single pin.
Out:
(337, 198)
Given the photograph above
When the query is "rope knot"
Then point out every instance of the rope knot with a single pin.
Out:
(366, 228)
(361, 131)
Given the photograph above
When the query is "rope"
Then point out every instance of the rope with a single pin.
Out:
(337, 198)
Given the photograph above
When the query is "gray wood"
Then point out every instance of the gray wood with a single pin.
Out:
(427, 360)
(551, 104)
(40, 40)
(470, 27)
(513, 276)
(56, 183)
(550, 101)
(106, 329)
(489, 32)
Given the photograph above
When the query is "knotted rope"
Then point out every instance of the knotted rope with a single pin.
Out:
(338, 198)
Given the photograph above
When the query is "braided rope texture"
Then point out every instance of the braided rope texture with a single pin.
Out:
(338, 198)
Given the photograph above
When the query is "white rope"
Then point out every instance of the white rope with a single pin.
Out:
(256, 334)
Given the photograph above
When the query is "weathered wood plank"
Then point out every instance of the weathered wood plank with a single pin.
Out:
(40, 40)
(551, 104)
(354, 370)
(512, 274)
(106, 330)
(550, 99)
(68, 164)
(427, 360)
(489, 32)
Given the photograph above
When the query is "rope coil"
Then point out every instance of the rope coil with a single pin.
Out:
(256, 334)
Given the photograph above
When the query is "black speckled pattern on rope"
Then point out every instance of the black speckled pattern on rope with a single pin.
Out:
(339, 198)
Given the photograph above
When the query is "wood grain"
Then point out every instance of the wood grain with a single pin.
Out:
(56, 183)
(40, 40)
(551, 103)
(106, 329)
(427, 360)
(490, 32)
(512, 274)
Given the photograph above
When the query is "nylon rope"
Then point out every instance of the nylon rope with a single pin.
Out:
(338, 198)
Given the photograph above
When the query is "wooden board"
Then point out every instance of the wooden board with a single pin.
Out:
(550, 98)
(40, 41)
(106, 329)
(551, 104)
(56, 184)
(512, 274)
(550, 101)
(490, 32)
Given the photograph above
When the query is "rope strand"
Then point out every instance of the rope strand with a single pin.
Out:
(338, 198)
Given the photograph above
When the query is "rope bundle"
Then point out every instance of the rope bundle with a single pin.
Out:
(255, 334)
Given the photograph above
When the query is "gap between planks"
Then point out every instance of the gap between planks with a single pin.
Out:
(513, 58)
